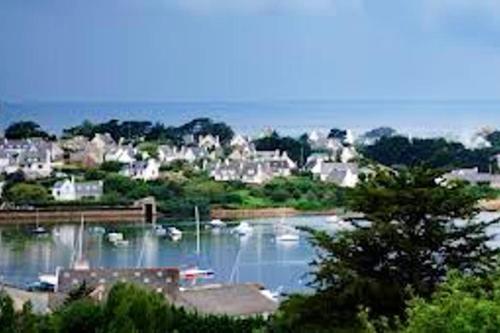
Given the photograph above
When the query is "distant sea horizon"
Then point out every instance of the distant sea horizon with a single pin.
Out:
(455, 119)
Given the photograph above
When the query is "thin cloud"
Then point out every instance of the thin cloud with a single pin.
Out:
(307, 7)
(484, 12)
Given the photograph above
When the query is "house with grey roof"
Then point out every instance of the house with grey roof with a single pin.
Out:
(208, 141)
(142, 170)
(191, 154)
(121, 154)
(22, 145)
(69, 190)
(473, 176)
(250, 172)
(35, 163)
(341, 174)
(240, 300)
(34, 157)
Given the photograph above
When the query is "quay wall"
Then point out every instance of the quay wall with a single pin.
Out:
(236, 214)
(72, 215)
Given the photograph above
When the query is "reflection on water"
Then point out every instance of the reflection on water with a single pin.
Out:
(254, 258)
(257, 257)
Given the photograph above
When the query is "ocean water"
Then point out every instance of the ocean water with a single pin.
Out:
(451, 118)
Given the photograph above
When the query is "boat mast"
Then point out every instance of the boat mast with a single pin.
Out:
(80, 240)
(197, 217)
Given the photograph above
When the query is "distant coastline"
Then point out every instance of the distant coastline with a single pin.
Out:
(453, 118)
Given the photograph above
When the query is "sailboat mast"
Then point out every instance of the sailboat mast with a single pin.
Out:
(80, 240)
(197, 217)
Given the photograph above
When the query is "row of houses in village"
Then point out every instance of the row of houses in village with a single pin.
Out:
(38, 158)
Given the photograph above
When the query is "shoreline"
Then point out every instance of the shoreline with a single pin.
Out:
(255, 213)
(135, 214)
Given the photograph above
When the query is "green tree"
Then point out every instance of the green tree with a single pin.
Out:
(463, 304)
(297, 149)
(336, 133)
(25, 130)
(411, 241)
(131, 309)
(7, 313)
(26, 320)
(111, 166)
(26, 193)
(81, 316)
(434, 152)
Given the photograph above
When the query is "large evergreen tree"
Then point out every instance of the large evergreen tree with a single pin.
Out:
(418, 230)
(25, 130)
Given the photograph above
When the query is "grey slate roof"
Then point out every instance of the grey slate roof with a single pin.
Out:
(233, 300)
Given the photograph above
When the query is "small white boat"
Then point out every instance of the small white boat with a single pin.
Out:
(174, 232)
(39, 231)
(333, 218)
(121, 243)
(196, 273)
(175, 238)
(287, 233)
(217, 224)
(342, 225)
(243, 229)
(114, 237)
(117, 239)
(160, 231)
(48, 279)
(97, 230)
(288, 237)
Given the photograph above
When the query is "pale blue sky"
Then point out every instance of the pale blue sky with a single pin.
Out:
(233, 50)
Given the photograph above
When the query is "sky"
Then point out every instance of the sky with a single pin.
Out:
(248, 50)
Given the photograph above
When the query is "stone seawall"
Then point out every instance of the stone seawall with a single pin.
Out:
(236, 214)
(73, 215)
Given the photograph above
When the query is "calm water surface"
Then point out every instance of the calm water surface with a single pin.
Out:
(254, 258)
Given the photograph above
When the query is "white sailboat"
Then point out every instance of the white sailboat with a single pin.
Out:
(194, 273)
(116, 238)
(81, 263)
(159, 230)
(39, 230)
(243, 229)
(217, 224)
(286, 233)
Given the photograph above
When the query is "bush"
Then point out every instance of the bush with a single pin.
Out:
(26, 193)
(462, 304)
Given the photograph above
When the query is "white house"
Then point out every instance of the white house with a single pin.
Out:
(239, 141)
(122, 154)
(249, 172)
(167, 154)
(144, 170)
(473, 176)
(348, 154)
(208, 141)
(69, 190)
(275, 156)
(342, 174)
(35, 163)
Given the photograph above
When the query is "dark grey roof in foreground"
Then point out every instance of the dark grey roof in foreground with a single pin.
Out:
(233, 300)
